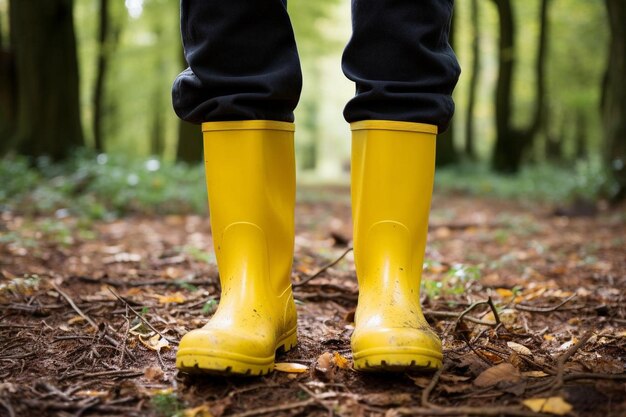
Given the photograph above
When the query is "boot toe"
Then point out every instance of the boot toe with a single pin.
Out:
(225, 351)
(396, 349)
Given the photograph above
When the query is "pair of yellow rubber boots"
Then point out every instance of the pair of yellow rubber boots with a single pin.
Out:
(250, 172)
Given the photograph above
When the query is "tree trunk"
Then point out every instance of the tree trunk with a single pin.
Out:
(505, 154)
(48, 110)
(190, 146)
(614, 98)
(99, 94)
(470, 150)
(510, 142)
(446, 152)
(7, 93)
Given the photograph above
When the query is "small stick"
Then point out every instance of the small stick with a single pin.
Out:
(268, 410)
(489, 302)
(140, 317)
(323, 269)
(530, 309)
(452, 314)
(74, 306)
(565, 356)
(7, 405)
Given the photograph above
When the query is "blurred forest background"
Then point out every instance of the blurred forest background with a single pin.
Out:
(85, 103)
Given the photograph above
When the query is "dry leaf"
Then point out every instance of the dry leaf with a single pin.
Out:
(154, 373)
(534, 374)
(385, 399)
(92, 393)
(324, 362)
(155, 343)
(290, 367)
(505, 372)
(521, 349)
(504, 292)
(552, 405)
(340, 361)
(175, 298)
(200, 411)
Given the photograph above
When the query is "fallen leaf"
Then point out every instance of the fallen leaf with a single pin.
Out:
(567, 344)
(155, 343)
(76, 319)
(340, 361)
(324, 362)
(521, 349)
(92, 393)
(552, 405)
(534, 374)
(504, 292)
(384, 399)
(200, 411)
(504, 372)
(176, 298)
(290, 367)
(154, 373)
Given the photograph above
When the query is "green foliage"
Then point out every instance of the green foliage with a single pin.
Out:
(102, 186)
(585, 180)
(167, 404)
(453, 282)
(209, 307)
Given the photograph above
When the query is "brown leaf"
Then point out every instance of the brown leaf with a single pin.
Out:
(385, 399)
(521, 349)
(505, 372)
(324, 362)
(154, 373)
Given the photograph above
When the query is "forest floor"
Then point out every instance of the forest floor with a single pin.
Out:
(530, 304)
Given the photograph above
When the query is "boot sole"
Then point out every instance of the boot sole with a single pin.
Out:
(395, 360)
(228, 363)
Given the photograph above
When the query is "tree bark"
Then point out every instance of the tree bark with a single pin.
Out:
(99, 95)
(511, 142)
(48, 110)
(614, 98)
(506, 145)
(470, 150)
(7, 93)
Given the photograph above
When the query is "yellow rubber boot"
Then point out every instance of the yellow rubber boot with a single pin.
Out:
(393, 166)
(250, 175)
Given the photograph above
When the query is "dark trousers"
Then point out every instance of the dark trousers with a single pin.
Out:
(243, 61)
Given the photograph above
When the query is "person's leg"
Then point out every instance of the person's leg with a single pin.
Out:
(243, 62)
(401, 61)
(405, 72)
(243, 84)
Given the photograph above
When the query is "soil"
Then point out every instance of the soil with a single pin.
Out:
(529, 304)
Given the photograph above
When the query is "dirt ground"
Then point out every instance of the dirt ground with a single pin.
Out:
(530, 306)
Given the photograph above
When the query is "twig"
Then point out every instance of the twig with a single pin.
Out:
(592, 375)
(74, 306)
(7, 405)
(452, 314)
(468, 411)
(331, 412)
(122, 373)
(431, 386)
(322, 270)
(558, 383)
(140, 317)
(530, 309)
(167, 282)
(275, 409)
(469, 309)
